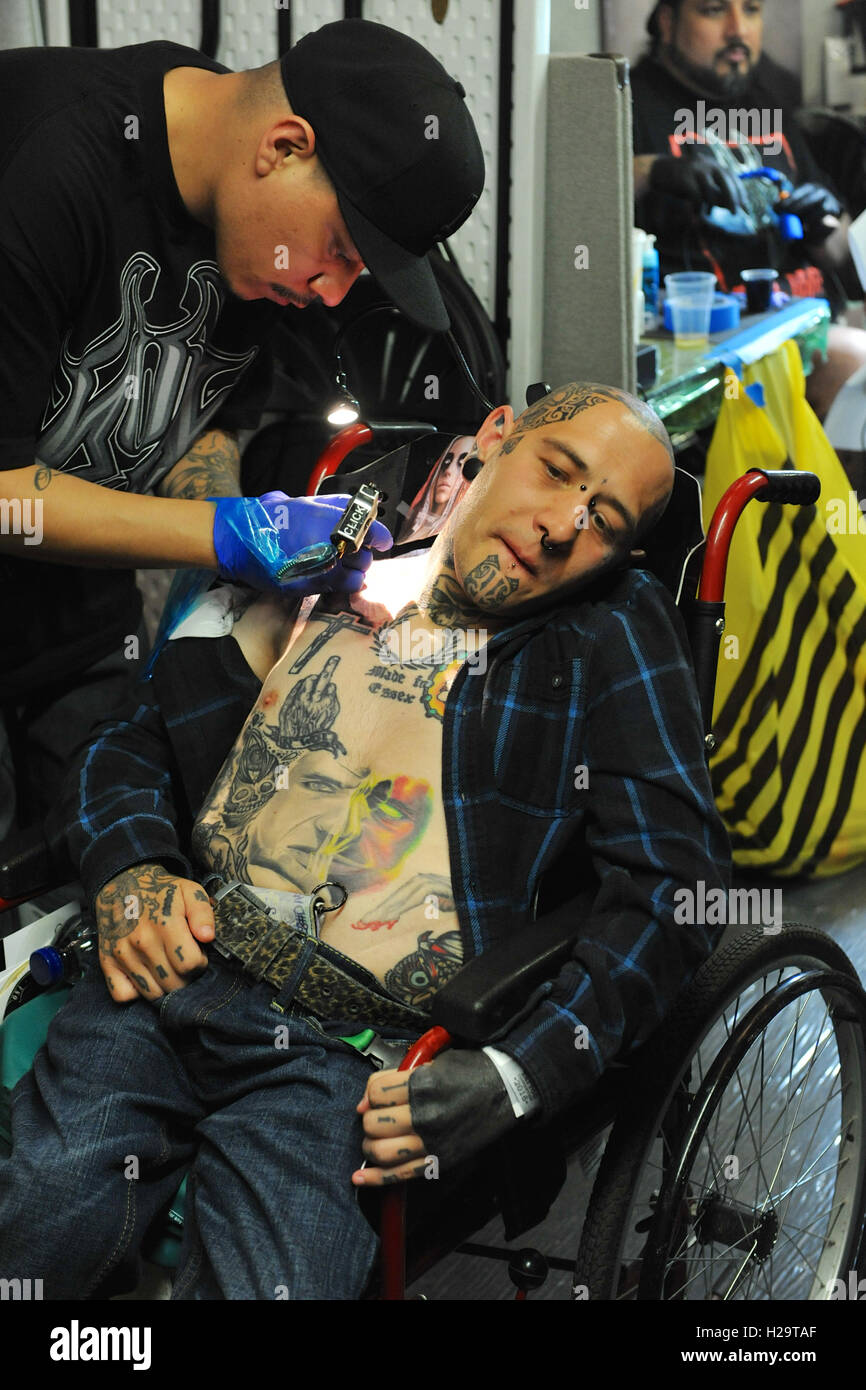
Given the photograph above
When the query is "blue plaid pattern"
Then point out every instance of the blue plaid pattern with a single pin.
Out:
(574, 783)
(604, 686)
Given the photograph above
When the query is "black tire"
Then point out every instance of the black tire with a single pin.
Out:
(640, 1222)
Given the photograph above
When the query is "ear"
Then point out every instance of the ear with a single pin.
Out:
(496, 428)
(294, 136)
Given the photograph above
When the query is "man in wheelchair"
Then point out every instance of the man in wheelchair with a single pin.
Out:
(393, 806)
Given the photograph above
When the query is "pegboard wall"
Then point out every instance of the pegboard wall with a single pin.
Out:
(467, 43)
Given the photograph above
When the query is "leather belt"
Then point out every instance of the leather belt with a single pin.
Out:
(331, 986)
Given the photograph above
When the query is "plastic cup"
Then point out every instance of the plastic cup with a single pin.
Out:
(759, 288)
(690, 294)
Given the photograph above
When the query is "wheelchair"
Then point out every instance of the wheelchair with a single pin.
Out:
(735, 1168)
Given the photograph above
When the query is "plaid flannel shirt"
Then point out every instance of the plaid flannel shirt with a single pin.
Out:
(573, 776)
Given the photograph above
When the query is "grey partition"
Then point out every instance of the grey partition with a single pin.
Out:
(588, 301)
(20, 24)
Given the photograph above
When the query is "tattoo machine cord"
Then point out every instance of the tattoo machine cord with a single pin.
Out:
(449, 336)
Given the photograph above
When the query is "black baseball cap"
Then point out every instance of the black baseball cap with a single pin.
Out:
(399, 145)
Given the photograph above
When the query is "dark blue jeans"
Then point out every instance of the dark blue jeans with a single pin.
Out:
(259, 1104)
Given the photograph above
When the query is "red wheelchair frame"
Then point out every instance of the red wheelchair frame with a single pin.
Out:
(781, 485)
(705, 634)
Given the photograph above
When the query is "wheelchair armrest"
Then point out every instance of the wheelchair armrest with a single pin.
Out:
(26, 864)
(479, 1001)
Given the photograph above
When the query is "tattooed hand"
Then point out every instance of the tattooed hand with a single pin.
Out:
(150, 923)
(436, 1116)
(391, 1146)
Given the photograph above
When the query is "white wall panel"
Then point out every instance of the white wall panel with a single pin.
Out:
(122, 22)
(312, 14)
(56, 14)
(528, 196)
(20, 24)
(467, 44)
(248, 28)
(248, 33)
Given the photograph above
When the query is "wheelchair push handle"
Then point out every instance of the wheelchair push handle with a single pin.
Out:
(789, 485)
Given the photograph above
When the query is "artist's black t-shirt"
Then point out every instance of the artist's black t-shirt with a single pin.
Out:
(119, 342)
(684, 241)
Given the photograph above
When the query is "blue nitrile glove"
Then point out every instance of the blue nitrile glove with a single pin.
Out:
(260, 540)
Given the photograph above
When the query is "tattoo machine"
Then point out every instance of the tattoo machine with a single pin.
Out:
(348, 535)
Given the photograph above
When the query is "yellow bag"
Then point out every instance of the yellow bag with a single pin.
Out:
(788, 773)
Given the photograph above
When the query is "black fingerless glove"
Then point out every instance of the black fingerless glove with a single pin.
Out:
(697, 178)
(812, 203)
(459, 1105)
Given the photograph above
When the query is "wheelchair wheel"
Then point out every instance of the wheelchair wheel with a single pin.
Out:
(736, 1167)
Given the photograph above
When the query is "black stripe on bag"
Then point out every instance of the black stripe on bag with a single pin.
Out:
(854, 753)
(744, 695)
(791, 756)
(790, 752)
(798, 744)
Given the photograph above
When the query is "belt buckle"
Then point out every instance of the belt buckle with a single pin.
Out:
(219, 893)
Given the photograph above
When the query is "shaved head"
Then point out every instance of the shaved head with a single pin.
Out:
(565, 403)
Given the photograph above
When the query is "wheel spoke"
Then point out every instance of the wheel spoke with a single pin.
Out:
(790, 1110)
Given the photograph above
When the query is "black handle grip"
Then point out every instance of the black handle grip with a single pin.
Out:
(789, 485)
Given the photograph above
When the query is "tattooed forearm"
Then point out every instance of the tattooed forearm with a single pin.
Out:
(210, 469)
(42, 477)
